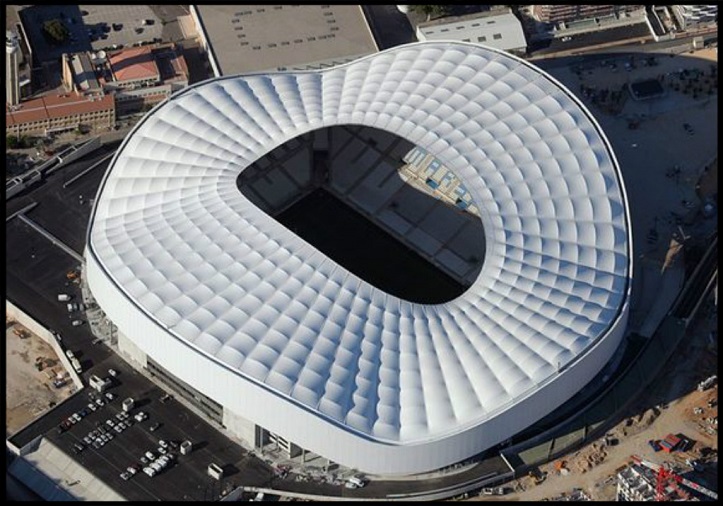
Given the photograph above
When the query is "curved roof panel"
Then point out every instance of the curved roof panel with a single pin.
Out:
(175, 235)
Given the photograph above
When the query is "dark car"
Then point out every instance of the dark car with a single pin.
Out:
(654, 445)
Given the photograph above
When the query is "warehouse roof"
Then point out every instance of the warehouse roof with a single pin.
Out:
(249, 38)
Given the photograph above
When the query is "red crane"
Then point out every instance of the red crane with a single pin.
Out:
(665, 475)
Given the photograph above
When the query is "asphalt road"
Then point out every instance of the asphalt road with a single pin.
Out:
(35, 275)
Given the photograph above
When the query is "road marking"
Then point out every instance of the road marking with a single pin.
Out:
(51, 238)
(21, 211)
(78, 176)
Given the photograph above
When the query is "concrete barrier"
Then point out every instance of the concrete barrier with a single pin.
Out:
(74, 152)
(36, 328)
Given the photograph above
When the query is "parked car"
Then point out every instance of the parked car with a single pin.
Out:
(150, 456)
(655, 445)
(113, 372)
(109, 396)
(154, 427)
(125, 475)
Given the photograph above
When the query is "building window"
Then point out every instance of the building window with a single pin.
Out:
(481, 39)
(460, 27)
(465, 40)
(445, 29)
(497, 36)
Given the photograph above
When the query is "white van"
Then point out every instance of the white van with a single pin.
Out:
(63, 297)
(356, 481)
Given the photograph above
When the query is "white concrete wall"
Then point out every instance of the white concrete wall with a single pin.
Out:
(36, 328)
(240, 426)
(132, 352)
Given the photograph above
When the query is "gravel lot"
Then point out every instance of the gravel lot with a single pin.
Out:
(28, 391)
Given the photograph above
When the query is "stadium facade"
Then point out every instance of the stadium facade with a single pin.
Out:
(276, 340)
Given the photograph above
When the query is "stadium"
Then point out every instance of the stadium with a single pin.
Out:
(525, 215)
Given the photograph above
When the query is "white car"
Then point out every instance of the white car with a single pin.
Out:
(150, 456)
(112, 372)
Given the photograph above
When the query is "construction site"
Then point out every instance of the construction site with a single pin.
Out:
(664, 445)
(36, 379)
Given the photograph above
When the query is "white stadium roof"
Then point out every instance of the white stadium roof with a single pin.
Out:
(231, 301)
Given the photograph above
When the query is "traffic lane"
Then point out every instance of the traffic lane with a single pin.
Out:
(65, 212)
(37, 191)
(35, 275)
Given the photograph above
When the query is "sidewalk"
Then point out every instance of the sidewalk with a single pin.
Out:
(56, 477)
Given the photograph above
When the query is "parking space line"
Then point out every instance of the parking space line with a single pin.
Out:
(21, 211)
(78, 176)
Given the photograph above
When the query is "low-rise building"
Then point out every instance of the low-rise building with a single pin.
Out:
(498, 28)
(695, 16)
(58, 113)
(137, 78)
(565, 13)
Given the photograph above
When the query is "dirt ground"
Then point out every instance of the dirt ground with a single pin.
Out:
(594, 467)
(30, 392)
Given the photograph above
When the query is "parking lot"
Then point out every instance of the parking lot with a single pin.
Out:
(96, 27)
(36, 270)
(185, 476)
(116, 25)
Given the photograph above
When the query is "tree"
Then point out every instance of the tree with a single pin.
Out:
(12, 141)
(431, 10)
(55, 32)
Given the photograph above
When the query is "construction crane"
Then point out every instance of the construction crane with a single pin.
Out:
(664, 474)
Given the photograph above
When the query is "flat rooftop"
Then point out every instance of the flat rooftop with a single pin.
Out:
(250, 38)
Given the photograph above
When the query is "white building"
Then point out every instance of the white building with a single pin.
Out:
(693, 16)
(12, 68)
(271, 338)
(498, 28)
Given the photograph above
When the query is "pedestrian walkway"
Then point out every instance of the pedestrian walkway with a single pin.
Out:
(56, 477)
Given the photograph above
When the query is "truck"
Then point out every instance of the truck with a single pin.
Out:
(76, 365)
(128, 404)
(670, 443)
(214, 471)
